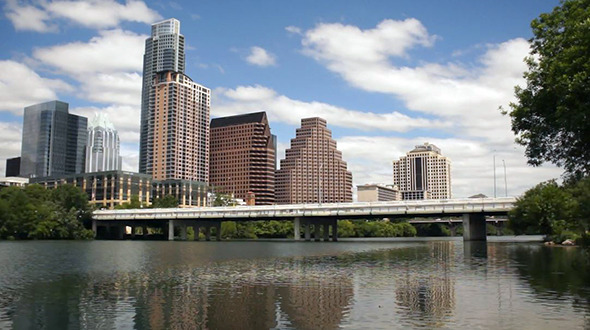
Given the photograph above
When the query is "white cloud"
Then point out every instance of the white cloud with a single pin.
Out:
(10, 143)
(108, 66)
(293, 29)
(468, 95)
(111, 51)
(28, 18)
(260, 57)
(280, 108)
(103, 13)
(20, 86)
(97, 14)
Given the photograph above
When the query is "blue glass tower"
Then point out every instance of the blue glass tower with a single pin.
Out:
(53, 140)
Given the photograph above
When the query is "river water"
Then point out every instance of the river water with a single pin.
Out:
(393, 284)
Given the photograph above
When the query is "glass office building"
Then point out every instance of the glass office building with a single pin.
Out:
(53, 140)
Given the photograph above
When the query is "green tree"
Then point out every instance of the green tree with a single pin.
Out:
(551, 116)
(223, 200)
(345, 228)
(545, 209)
(168, 201)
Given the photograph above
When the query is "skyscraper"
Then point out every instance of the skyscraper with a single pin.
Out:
(53, 140)
(164, 51)
(102, 148)
(313, 170)
(179, 129)
(243, 157)
(424, 173)
(174, 130)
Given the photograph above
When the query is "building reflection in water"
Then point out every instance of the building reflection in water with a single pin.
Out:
(429, 295)
(263, 298)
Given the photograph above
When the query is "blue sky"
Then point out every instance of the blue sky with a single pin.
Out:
(387, 75)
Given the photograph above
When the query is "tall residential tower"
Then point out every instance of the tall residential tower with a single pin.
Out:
(243, 157)
(164, 51)
(423, 173)
(53, 140)
(313, 170)
(174, 130)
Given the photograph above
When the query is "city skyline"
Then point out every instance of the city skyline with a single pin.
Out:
(416, 80)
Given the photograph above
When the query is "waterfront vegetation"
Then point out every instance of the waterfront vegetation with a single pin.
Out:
(34, 212)
(551, 119)
(560, 212)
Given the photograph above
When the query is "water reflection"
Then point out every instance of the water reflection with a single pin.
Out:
(429, 284)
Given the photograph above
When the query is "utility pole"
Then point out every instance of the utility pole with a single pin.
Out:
(505, 181)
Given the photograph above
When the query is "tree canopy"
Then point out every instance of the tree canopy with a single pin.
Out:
(551, 116)
(37, 213)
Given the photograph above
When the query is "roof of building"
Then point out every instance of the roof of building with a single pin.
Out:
(101, 120)
(254, 117)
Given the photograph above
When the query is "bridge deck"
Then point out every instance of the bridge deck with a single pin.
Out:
(407, 209)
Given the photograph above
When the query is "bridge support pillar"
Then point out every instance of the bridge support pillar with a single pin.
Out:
(207, 233)
(94, 228)
(218, 231)
(474, 227)
(296, 229)
(144, 231)
(335, 230)
(307, 231)
(133, 232)
(316, 232)
(326, 232)
(121, 231)
(170, 230)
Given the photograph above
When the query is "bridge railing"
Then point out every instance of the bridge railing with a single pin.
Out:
(314, 210)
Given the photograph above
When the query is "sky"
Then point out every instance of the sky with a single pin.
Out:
(386, 75)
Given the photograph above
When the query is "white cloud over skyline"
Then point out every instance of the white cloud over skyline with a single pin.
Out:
(260, 57)
(97, 14)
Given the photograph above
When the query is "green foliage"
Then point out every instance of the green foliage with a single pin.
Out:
(346, 228)
(37, 213)
(551, 115)
(229, 229)
(223, 200)
(545, 209)
(168, 201)
(559, 212)
(273, 229)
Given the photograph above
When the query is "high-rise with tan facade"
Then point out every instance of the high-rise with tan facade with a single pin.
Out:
(164, 51)
(174, 130)
(243, 157)
(179, 128)
(313, 170)
(423, 173)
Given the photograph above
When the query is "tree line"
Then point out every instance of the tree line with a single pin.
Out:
(34, 212)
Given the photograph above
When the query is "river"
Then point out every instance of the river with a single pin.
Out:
(396, 284)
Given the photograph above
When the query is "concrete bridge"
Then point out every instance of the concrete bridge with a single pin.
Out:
(322, 217)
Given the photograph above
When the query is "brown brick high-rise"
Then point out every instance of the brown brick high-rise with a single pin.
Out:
(243, 157)
(313, 169)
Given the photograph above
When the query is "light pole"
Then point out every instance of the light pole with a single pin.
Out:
(494, 175)
(505, 180)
